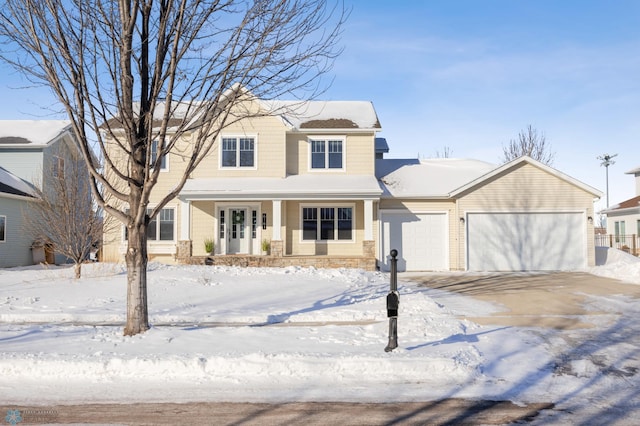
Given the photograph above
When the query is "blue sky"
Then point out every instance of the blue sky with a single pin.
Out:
(469, 75)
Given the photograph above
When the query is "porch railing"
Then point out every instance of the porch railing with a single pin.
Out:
(628, 243)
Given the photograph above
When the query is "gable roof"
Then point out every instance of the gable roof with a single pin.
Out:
(10, 184)
(437, 177)
(630, 204)
(31, 133)
(528, 160)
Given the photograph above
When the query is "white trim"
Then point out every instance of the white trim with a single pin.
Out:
(157, 241)
(368, 220)
(237, 137)
(326, 138)
(354, 228)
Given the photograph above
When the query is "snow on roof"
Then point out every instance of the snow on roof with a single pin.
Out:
(631, 203)
(306, 186)
(30, 132)
(435, 177)
(12, 184)
(326, 114)
(633, 171)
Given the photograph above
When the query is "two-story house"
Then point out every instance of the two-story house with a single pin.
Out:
(302, 180)
(31, 152)
(623, 219)
(310, 180)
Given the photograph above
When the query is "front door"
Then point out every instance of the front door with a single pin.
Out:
(237, 235)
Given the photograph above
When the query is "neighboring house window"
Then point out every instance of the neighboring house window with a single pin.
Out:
(327, 154)
(58, 167)
(238, 152)
(327, 223)
(3, 224)
(154, 156)
(619, 230)
(161, 228)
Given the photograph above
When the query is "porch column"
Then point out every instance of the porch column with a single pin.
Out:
(183, 246)
(368, 220)
(277, 220)
(277, 246)
(185, 214)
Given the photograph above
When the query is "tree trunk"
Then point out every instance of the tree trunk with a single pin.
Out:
(77, 269)
(136, 259)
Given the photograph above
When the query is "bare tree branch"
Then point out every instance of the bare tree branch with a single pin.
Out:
(530, 142)
(129, 73)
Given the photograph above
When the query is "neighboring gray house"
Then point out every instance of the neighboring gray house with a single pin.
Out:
(27, 148)
(15, 196)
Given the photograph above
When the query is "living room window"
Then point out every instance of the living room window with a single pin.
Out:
(327, 153)
(238, 152)
(161, 228)
(327, 223)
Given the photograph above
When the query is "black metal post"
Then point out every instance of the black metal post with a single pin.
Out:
(393, 303)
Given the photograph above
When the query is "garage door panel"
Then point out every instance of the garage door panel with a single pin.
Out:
(525, 241)
(420, 238)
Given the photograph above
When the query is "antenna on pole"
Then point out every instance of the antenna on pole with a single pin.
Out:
(607, 160)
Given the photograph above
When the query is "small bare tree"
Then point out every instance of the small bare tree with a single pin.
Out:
(530, 142)
(447, 152)
(136, 77)
(65, 215)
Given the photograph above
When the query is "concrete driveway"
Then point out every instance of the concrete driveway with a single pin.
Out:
(553, 300)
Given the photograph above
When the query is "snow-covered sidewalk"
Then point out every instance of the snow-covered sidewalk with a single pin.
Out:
(328, 344)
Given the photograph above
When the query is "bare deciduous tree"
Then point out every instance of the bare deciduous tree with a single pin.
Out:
(65, 215)
(530, 142)
(125, 70)
(447, 152)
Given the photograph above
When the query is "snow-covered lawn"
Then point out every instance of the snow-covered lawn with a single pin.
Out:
(297, 334)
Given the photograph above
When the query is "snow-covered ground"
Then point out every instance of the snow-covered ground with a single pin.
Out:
(300, 334)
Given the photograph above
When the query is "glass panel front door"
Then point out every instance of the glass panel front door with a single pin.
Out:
(237, 235)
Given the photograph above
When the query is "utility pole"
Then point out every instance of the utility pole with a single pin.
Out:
(607, 160)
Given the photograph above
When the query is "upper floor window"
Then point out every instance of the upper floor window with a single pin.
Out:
(154, 156)
(3, 224)
(238, 152)
(327, 153)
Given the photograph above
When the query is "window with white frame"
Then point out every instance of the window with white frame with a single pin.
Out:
(3, 230)
(327, 223)
(619, 230)
(154, 156)
(238, 152)
(326, 153)
(161, 228)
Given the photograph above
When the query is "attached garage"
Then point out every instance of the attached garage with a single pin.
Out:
(420, 238)
(526, 241)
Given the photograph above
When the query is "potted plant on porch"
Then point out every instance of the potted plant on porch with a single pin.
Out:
(265, 247)
(209, 246)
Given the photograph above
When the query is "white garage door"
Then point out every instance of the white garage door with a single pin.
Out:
(420, 238)
(526, 241)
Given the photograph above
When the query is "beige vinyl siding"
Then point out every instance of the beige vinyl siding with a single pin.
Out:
(428, 206)
(293, 238)
(359, 149)
(526, 189)
(203, 225)
(269, 135)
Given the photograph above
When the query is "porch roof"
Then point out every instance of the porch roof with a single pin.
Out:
(295, 187)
